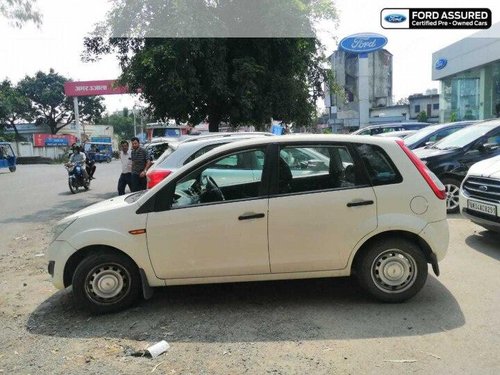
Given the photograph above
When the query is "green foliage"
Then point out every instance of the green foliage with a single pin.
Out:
(51, 106)
(18, 12)
(122, 122)
(240, 81)
(14, 106)
(422, 116)
(453, 117)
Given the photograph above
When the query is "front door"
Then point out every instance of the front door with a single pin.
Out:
(217, 225)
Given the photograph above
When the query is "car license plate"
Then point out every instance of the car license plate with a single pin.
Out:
(482, 207)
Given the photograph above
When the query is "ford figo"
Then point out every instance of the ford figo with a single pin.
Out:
(254, 210)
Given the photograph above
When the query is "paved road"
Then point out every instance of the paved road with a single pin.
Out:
(314, 326)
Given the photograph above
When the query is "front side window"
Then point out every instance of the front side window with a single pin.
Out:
(379, 166)
(232, 177)
(315, 168)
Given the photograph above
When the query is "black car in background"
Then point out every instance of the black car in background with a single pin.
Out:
(451, 158)
(434, 133)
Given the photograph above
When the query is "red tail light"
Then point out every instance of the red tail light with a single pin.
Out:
(154, 177)
(431, 179)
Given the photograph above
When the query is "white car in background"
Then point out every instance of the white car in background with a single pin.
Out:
(480, 194)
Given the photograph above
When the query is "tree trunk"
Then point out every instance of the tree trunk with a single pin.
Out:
(18, 137)
(213, 123)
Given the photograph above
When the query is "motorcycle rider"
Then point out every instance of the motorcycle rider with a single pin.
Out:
(90, 162)
(78, 157)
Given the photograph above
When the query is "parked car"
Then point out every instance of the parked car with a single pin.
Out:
(451, 158)
(158, 145)
(480, 194)
(392, 127)
(434, 133)
(179, 153)
(397, 134)
(374, 210)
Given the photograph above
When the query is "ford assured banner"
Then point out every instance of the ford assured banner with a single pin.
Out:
(435, 18)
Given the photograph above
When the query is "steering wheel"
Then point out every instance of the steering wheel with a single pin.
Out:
(214, 188)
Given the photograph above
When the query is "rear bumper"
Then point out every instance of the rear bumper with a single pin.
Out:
(437, 236)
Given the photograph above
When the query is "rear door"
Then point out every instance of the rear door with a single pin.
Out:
(317, 218)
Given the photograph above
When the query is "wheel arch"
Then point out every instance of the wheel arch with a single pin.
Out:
(76, 258)
(415, 238)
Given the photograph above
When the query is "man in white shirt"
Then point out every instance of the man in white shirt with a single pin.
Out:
(126, 175)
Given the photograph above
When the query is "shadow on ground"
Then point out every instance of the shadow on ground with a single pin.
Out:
(486, 242)
(266, 311)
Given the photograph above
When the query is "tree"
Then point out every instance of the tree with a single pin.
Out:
(123, 123)
(235, 80)
(422, 116)
(18, 12)
(52, 107)
(14, 106)
(403, 101)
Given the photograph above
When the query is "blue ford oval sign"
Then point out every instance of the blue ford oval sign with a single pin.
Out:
(363, 43)
(440, 64)
(395, 18)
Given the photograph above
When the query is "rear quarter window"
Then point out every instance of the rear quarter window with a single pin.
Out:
(379, 165)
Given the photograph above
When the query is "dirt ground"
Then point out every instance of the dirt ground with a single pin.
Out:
(291, 327)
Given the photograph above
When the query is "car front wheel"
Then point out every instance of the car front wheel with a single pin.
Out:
(392, 270)
(106, 282)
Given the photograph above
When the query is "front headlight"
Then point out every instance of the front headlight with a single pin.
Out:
(61, 227)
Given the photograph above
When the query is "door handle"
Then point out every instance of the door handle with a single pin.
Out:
(251, 216)
(359, 203)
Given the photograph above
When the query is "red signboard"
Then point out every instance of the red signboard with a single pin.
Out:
(42, 139)
(92, 88)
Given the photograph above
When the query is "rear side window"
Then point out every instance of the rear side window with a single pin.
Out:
(379, 166)
(202, 151)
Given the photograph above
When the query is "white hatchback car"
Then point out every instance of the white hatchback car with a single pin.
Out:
(369, 208)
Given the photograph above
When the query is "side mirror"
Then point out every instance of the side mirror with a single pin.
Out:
(488, 147)
(429, 144)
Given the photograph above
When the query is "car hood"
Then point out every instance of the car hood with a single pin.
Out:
(425, 153)
(107, 205)
(486, 168)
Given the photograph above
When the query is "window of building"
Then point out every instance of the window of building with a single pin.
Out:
(435, 106)
(417, 108)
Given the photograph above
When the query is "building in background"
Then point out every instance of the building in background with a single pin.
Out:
(469, 72)
(344, 109)
(427, 103)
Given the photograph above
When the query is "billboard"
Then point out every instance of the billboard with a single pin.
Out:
(93, 88)
(43, 140)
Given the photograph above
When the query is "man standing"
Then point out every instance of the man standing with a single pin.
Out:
(125, 177)
(140, 165)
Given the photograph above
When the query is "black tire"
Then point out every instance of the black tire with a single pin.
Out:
(401, 257)
(72, 188)
(106, 282)
(12, 168)
(452, 186)
(86, 184)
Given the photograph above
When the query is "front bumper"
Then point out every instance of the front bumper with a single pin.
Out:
(58, 254)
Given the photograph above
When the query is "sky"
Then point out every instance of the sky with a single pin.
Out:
(58, 42)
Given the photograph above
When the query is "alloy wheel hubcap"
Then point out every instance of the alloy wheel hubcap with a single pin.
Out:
(452, 196)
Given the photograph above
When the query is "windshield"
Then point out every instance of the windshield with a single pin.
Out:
(424, 132)
(463, 137)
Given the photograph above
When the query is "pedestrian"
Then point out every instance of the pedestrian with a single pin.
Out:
(140, 164)
(126, 175)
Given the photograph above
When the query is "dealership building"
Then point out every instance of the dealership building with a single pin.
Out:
(469, 72)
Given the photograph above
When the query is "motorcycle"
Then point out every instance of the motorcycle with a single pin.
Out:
(76, 177)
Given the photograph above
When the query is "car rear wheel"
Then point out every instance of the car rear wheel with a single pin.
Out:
(452, 186)
(392, 270)
(106, 282)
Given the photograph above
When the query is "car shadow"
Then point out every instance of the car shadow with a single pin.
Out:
(259, 311)
(61, 209)
(486, 242)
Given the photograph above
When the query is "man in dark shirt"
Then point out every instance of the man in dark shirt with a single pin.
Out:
(140, 165)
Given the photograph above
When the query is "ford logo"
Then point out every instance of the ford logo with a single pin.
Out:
(483, 188)
(395, 18)
(363, 43)
(440, 64)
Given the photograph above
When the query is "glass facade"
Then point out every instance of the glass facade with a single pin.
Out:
(471, 95)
